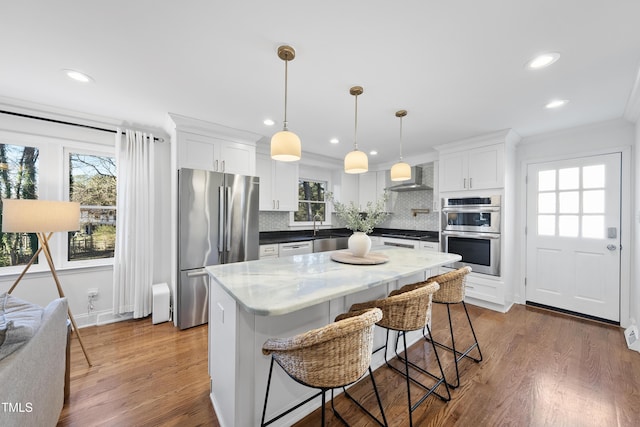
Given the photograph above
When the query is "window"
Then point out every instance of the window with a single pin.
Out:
(311, 201)
(18, 180)
(571, 202)
(92, 183)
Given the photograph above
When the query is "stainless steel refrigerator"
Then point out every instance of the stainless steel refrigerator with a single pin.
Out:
(217, 224)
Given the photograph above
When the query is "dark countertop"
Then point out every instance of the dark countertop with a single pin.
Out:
(271, 237)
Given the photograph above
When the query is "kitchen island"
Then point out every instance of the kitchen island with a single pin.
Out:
(255, 300)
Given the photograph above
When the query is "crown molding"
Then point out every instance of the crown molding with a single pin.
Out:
(205, 128)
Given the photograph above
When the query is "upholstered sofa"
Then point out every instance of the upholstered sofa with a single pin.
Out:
(32, 362)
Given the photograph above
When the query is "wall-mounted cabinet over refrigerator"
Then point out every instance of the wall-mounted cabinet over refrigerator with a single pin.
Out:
(217, 224)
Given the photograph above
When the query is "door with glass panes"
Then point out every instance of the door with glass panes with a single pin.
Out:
(573, 235)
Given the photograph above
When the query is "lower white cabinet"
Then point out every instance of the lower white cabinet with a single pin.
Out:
(430, 246)
(269, 251)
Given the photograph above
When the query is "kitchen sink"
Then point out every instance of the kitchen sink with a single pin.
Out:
(329, 244)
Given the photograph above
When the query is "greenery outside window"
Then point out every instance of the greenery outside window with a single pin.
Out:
(311, 201)
(92, 183)
(18, 180)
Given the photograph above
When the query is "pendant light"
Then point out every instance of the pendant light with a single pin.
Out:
(401, 171)
(356, 161)
(285, 145)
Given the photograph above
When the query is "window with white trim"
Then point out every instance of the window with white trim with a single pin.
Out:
(92, 183)
(18, 180)
(311, 201)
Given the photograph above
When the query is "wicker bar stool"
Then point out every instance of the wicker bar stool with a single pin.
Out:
(408, 309)
(452, 291)
(326, 358)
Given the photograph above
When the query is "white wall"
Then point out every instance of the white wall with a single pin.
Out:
(39, 287)
(598, 138)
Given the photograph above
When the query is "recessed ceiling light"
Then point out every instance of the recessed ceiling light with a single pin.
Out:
(542, 61)
(269, 122)
(78, 76)
(556, 103)
(334, 140)
(373, 152)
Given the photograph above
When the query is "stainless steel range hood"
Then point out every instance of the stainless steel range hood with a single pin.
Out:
(414, 184)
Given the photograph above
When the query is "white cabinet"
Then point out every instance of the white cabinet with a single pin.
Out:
(269, 251)
(278, 184)
(371, 186)
(213, 154)
(212, 147)
(473, 169)
(430, 246)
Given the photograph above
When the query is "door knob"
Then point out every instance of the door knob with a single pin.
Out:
(611, 247)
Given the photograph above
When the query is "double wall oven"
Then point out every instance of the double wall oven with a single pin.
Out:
(471, 228)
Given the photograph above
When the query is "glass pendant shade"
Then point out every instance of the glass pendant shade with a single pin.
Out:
(286, 146)
(356, 161)
(401, 171)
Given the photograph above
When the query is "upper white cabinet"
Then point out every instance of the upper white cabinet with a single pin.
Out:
(472, 169)
(278, 184)
(371, 187)
(212, 147)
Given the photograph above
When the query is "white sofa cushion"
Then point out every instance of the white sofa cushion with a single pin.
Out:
(19, 322)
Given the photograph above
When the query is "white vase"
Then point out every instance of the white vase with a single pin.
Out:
(359, 244)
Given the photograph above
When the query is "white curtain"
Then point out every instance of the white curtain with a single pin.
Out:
(133, 260)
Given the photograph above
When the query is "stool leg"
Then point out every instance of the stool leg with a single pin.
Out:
(453, 346)
(406, 368)
(266, 396)
(477, 345)
(323, 402)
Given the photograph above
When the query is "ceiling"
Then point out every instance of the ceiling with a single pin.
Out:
(457, 67)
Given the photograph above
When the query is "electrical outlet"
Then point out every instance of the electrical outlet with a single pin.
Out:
(92, 293)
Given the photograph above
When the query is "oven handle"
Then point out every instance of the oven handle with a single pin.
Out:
(471, 235)
(470, 209)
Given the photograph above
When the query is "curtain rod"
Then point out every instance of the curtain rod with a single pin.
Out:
(155, 138)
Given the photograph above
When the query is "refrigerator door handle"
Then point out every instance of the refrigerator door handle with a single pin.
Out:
(228, 222)
(197, 273)
(221, 218)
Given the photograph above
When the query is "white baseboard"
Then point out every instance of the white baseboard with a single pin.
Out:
(98, 318)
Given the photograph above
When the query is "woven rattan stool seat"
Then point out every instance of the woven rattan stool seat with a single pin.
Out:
(329, 357)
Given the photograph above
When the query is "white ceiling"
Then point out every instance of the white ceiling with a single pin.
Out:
(457, 66)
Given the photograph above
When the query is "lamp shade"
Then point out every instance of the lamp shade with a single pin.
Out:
(39, 216)
(401, 171)
(356, 161)
(285, 146)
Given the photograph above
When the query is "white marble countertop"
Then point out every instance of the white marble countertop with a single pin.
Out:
(276, 286)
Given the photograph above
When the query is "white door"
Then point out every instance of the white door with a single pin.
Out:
(573, 235)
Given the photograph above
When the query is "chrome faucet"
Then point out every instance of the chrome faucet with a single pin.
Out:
(316, 217)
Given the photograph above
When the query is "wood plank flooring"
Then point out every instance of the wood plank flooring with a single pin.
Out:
(540, 369)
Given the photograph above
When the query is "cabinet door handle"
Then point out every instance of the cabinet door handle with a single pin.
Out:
(464, 182)
(470, 182)
(215, 168)
(278, 204)
(273, 204)
(223, 166)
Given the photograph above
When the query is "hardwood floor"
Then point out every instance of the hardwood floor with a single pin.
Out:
(540, 369)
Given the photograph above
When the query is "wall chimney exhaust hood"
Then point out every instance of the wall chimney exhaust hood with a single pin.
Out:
(414, 184)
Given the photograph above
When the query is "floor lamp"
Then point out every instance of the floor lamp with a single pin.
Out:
(42, 217)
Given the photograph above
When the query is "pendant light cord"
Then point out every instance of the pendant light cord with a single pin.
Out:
(400, 138)
(355, 133)
(286, 71)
